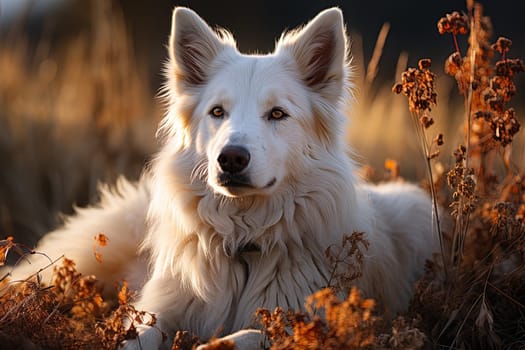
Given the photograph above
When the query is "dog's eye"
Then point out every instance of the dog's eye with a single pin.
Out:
(217, 112)
(277, 113)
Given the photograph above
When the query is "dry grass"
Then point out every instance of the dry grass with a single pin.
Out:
(69, 118)
(59, 317)
(72, 117)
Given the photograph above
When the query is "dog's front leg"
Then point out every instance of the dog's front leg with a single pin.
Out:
(246, 339)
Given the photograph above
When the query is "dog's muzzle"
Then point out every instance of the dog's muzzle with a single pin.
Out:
(233, 160)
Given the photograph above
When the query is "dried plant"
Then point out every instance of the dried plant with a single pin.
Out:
(7, 245)
(101, 240)
(78, 294)
(417, 84)
(347, 324)
(479, 302)
(184, 340)
(404, 335)
(35, 316)
(123, 322)
(67, 314)
(346, 261)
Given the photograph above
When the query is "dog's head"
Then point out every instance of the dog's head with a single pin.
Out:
(255, 121)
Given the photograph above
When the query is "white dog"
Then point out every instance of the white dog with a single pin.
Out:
(251, 186)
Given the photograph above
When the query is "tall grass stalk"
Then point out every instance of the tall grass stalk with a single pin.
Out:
(428, 156)
(462, 221)
(418, 84)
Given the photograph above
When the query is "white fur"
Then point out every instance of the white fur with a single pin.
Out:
(303, 196)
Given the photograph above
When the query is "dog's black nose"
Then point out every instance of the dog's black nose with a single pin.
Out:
(233, 159)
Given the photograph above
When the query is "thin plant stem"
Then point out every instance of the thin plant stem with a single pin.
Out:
(420, 132)
(463, 220)
(456, 45)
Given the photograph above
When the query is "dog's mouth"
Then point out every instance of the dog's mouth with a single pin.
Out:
(271, 183)
(234, 180)
(240, 181)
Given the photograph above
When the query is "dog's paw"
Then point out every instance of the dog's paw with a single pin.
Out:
(246, 339)
(149, 338)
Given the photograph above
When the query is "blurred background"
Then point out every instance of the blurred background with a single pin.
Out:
(79, 79)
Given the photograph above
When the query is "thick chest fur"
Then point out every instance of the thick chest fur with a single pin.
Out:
(256, 281)
(281, 278)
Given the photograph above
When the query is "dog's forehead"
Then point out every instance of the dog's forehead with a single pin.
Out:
(254, 73)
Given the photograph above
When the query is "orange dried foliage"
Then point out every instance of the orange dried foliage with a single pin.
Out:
(80, 295)
(9, 244)
(5, 246)
(392, 168)
(122, 324)
(328, 323)
(184, 340)
(49, 317)
(101, 240)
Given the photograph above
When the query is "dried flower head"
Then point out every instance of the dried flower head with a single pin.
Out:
(454, 23)
(502, 86)
(505, 127)
(461, 181)
(453, 63)
(439, 140)
(424, 63)
(509, 67)
(418, 85)
(426, 121)
(502, 45)
(501, 120)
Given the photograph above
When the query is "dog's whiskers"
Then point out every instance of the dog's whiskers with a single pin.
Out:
(200, 171)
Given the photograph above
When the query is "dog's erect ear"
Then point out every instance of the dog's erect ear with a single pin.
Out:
(320, 52)
(193, 46)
